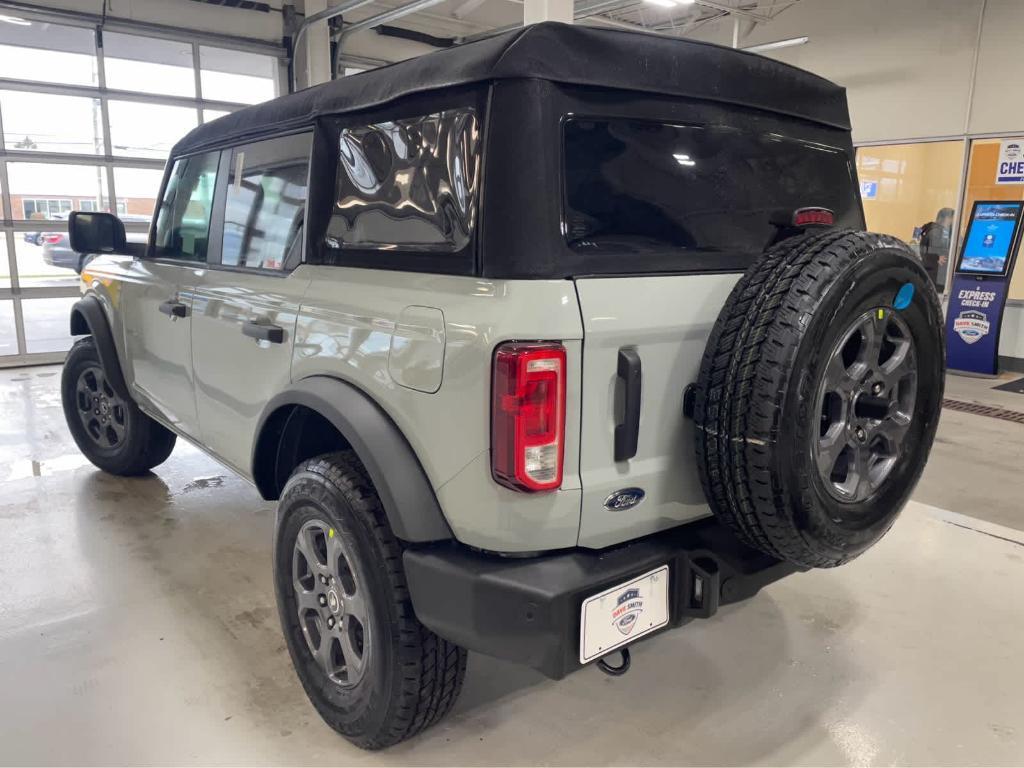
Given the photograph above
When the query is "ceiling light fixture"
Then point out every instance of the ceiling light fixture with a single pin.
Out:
(777, 44)
(16, 21)
(670, 3)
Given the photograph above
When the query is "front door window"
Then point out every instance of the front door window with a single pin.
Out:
(183, 225)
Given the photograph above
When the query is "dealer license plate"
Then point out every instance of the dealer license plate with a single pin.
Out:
(623, 613)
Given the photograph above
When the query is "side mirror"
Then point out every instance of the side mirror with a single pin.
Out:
(96, 232)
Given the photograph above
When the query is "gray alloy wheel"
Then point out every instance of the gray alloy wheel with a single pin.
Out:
(866, 401)
(102, 412)
(331, 602)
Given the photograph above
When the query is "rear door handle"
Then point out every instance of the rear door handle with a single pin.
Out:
(627, 432)
(173, 308)
(263, 331)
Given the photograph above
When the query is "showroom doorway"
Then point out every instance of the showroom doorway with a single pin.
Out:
(87, 117)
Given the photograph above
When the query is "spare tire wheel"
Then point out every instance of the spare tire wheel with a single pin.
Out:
(819, 395)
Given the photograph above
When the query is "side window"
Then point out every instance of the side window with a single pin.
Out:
(409, 184)
(265, 212)
(183, 224)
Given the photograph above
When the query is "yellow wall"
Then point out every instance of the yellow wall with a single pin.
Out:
(914, 182)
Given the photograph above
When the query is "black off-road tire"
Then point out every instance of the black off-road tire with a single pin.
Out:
(141, 443)
(756, 407)
(412, 677)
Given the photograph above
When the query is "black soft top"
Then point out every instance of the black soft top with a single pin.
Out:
(560, 53)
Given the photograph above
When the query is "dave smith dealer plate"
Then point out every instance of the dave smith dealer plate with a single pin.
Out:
(622, 614)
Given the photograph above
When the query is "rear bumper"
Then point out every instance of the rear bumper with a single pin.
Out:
(527, 610)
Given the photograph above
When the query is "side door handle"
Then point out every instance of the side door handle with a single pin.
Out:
(263, 331)
(627, 431)
(174, 308)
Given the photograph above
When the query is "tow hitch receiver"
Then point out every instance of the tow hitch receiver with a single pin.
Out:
(618, 671)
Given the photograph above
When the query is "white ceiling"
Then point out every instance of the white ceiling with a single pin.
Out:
(455, 18)
(462, 19)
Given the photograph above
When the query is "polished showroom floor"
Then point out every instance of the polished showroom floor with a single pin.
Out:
(137, 625)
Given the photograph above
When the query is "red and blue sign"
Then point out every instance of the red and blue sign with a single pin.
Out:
(1010, 169)
(628, 607)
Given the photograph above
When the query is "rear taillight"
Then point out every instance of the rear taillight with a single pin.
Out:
(528, 416)
(51, 238)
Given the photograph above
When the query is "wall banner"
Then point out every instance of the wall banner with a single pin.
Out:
(1010, 168)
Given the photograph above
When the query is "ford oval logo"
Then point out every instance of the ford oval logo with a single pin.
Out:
(625, 499)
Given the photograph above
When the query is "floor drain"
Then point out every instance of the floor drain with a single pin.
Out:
(984, 410)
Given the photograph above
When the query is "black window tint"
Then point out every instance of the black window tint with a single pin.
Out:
(264, 214)
(183, 223)
(408, 184)
(640, 187)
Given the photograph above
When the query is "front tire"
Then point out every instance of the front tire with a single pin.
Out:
(372, 671)
(112, 432)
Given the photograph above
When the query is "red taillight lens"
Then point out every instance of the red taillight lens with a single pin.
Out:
(528, 416)
(803, 217)
(51, 238)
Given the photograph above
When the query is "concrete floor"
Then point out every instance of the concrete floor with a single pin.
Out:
(137, 625)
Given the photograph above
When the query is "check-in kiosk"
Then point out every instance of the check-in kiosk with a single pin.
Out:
(980, 285)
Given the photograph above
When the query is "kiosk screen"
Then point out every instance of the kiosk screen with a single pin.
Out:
(990, 238)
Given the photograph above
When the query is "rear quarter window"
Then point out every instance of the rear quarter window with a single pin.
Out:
(409, 184)
(637, 187)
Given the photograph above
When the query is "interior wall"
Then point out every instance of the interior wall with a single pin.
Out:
(906, 64)
(998, 106)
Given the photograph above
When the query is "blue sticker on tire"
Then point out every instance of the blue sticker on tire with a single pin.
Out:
(904, 296)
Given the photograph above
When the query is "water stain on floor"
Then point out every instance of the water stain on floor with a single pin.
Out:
(214, 481)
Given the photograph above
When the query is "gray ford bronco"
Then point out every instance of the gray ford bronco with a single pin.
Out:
(543, 344)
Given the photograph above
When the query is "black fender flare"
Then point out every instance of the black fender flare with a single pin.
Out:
(405, 491)
(89, 319)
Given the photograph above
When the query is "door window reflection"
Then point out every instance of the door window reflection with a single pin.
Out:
(183, 226)
(266, 202)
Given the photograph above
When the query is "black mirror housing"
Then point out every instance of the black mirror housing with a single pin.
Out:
(96, 232)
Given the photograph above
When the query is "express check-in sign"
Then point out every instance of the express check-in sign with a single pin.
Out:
(1010, 169)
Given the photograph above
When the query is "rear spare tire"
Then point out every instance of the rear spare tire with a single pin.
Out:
(819, 395)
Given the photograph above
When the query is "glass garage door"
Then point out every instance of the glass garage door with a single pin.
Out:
(87, 127)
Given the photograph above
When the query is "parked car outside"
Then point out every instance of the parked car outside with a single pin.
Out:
(57, 250)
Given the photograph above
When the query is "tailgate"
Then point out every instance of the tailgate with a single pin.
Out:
(664, 324)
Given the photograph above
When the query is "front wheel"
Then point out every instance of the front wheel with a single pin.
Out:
(112, 432)
(373, 672)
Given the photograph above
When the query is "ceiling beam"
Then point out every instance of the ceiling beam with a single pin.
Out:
(389, 15)
(730, 9)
